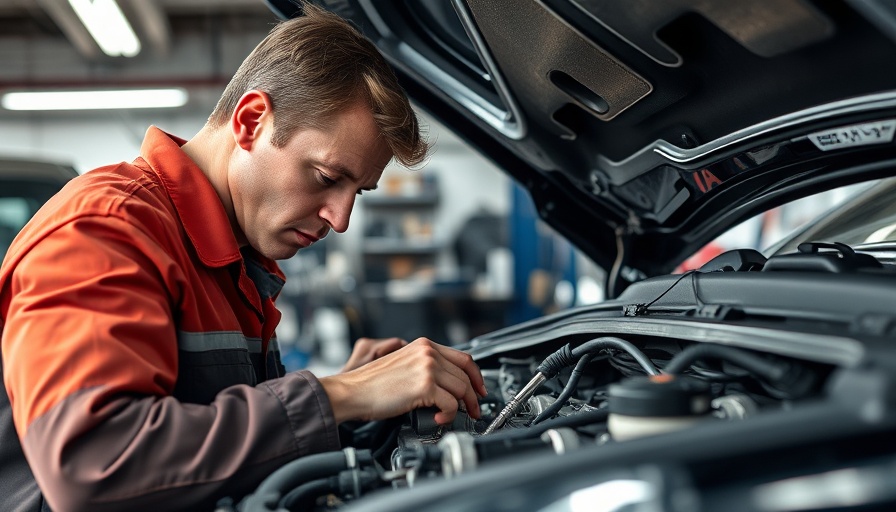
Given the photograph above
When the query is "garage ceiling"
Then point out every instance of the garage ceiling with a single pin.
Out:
(195, 44)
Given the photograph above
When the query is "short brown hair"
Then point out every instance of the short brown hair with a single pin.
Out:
(315, 66)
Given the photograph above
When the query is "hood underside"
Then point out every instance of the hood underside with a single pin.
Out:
(644, 129)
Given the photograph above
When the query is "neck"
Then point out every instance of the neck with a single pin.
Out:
(211, 150)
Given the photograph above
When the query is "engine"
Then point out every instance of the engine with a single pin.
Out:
(603, 391)
(557, 399)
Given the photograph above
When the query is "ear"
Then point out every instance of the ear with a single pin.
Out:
(250, 113)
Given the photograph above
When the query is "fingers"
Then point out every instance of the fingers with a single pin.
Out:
(370, 349)
(455, 379)
(398, 378)
(447, 405)
(465, 362)
(460, 389)
(387, 346)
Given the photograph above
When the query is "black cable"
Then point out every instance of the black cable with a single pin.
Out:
(713, 375)
(565, 357)
(557, 361)
(623, 361)
(302, 497)
(575, 420)
(626, 368)
(567, 390)
(767, 370)
(689, 272)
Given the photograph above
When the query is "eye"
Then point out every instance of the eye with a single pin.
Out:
(325, 180)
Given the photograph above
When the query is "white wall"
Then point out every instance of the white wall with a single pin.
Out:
(89, 140)
(198, 61)
(467, 181)
(88, 143)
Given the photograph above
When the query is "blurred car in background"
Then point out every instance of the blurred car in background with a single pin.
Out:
(25, 185)
(866, 221)
(760, 380)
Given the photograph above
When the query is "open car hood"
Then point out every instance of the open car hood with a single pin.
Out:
(644, 129)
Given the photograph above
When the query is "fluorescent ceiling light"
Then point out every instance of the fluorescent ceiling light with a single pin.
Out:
(90, 100)
(108, 26)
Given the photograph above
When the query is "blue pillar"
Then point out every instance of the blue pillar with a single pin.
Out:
(524, 245)
(531, 251)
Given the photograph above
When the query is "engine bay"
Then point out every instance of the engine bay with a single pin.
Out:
(607, 395)
(608, 391)
(721, 386)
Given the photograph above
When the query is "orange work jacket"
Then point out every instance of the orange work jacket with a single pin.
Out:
(139, 355)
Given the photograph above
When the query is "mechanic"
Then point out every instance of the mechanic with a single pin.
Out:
(137, 307)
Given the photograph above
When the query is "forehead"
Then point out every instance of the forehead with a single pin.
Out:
(352, 143)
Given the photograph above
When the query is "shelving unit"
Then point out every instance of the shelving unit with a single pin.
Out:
(388, 247)
(398, 236)
(398, 252)
(423, 198)
(403, 293)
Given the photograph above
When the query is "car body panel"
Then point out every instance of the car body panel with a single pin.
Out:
(650, 126)
(24, 186)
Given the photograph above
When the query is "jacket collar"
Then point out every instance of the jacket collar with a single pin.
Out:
(197, 204)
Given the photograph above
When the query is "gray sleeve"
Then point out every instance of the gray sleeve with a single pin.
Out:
(97, 452)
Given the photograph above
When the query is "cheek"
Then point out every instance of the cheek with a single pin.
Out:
(260, 188)
(271, 193)
(290, 200)
(249, 199)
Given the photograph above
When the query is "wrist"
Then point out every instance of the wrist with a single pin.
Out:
(343, 400)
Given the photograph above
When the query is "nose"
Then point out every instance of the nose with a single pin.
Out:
(337, 212)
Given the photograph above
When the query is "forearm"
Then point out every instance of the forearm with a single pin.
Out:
(156, 453)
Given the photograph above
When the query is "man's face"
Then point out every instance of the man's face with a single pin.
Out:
(287, 198)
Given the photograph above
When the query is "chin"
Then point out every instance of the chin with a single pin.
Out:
(283, 254)
(275, 249)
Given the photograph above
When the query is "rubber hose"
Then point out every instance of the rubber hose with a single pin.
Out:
(302, 497)
(312, 467)
(767, 370)
(567, 392)
(598, 344)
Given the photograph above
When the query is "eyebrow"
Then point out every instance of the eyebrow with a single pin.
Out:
(341, 169)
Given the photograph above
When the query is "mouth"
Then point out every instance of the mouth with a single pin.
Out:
(305, 239)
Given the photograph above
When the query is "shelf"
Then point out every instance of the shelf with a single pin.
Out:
(390, 247)
(420, 200)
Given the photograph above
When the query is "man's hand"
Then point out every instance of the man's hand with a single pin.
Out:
(368, 349)
(420, 374)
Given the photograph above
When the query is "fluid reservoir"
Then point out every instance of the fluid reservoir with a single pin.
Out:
(643, 406)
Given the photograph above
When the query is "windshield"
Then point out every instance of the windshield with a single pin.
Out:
(858, 214)
(866, 218)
